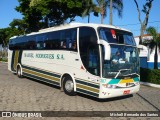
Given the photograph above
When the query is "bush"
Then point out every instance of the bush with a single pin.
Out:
(4, 59)
(150, 75)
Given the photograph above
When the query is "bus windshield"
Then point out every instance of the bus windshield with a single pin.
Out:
(124, 62)
(116, 36)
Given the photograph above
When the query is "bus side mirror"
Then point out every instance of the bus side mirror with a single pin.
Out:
(107, 50)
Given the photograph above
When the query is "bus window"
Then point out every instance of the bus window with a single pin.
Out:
(68, 39)
(116, 36)
(53, 40)
(40, 44)
(31, 43)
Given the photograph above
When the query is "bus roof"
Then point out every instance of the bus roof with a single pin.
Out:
(72, 25)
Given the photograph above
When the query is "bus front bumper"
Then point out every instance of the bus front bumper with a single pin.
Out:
(116, 92)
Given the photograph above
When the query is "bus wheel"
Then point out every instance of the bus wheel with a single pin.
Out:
(68, 86)
(19, 74)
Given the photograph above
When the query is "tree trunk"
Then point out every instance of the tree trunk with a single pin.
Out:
(143, 28)
(102, 14)
(102, 19)
(46, 22)
(88, 18)
(110, 19)
(156, 58)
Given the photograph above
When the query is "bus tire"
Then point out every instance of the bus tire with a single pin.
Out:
(68, 86)
(19, 73)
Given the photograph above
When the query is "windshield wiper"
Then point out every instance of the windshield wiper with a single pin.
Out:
(122, 70)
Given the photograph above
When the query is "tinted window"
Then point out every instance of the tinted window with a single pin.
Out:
(18, 43)
(68, 39)
(62, 39)
(40, 41)
(89, 50)
(116, 36)
(31, 43)
(53, 40)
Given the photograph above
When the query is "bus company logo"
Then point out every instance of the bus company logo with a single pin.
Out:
(29, 55)
(46, 56)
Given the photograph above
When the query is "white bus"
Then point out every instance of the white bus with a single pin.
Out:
(79, 58)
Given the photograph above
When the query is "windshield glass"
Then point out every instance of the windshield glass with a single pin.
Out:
(111, 35)
(124, 61)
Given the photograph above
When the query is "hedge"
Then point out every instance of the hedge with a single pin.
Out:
(4, 59)
(150, 75)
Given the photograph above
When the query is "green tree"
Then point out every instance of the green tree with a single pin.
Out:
(19, 24)
(32, 16)
(112, 5)
(146, 10)
(89, 7)
(154, 44)
(58, 12)
(7, 33)
(102, 4)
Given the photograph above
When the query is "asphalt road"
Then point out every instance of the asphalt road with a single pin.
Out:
(24, 94)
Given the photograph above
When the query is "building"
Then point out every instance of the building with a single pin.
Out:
(146, 56)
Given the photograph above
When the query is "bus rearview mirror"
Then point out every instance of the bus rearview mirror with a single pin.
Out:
(107, 50)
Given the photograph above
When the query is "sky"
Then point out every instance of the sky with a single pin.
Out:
(128, 21)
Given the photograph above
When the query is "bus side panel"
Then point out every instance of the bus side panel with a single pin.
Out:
(10, 54)
(14, 60)
(14, 57)
(49, 66)
(41, 65)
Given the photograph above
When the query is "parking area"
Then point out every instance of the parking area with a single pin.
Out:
(29, 95)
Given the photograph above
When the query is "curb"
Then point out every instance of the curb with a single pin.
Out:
(150, 84)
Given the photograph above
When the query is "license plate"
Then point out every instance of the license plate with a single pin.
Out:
(126, 92)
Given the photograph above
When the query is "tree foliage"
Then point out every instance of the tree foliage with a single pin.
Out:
(89, 7)
(31, 15)
(58, 12)
(7, 33)
(19, 24)
(114, 4)
(146, 10)
(154, 44)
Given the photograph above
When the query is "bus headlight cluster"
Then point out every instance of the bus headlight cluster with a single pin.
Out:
(109, 86)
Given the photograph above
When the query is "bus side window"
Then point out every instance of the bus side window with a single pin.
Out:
(53, 40)
(68, 39)
(73, 44)
(40, 42)
(31, 43)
